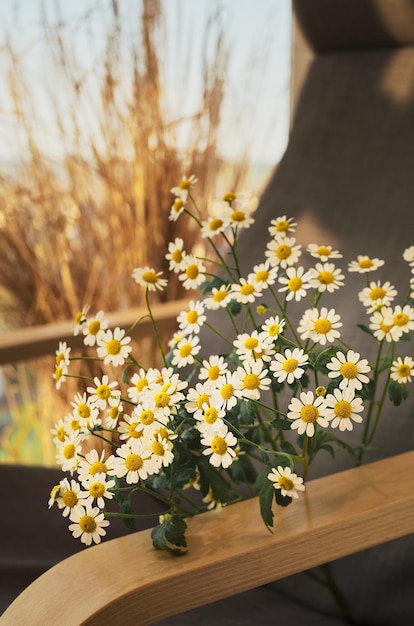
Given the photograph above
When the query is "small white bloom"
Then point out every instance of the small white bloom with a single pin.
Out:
(281, 226)
(94, 326)
(185, 351)
(324, 253)
(364, 264)
(343, 408)
(287, 481)
(219, 442)
(402, 370)
(283, 251)
(113, 346)
(326, 277)
(351, 367)
(306, 411)
(176, 255)
(191, 321)
(88, 525)
(289, 366)
(321, 327)
(296, 283)
(149, 278)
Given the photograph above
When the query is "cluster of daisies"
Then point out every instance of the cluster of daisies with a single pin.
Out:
(147, 416)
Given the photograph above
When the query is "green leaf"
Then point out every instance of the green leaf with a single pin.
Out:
(397, 392)
(365, 329)
(212, 480)
(242, 470)
(281, 424)
(282, 500)
(266, 499)
(170, 535)
(234, 307)
(215, 283)
(247, 412)
(288, 447)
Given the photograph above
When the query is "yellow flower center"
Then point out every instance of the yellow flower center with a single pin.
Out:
(185, 350)
(251, 343)
(157, 448)
(211, 415)
(178, 205)
(213, 372)
(343, 409)
(96, 490)
(147, 417)
(133, 462)
(113, 346)
(150, 277)
(69, 451)
(229, 196)
(283, 252)
(98, 467)
(290, 365)
(349, 370)
(377, 293)
(202, 399)
(185, 184)
(320, 391)
(385, 327)
(227, 391)
(84, 410)
(161, 399)
(141, 384)
(192, 271)
(251, 382)
(400, 319)
(273, 330)
(87, 524)
(177, 255)
(219, 445)
(365, 264)
(132, 430)
(285, 483)
(162, 433)
(60, 357)
(58, 373)
(74, 424)
(220, 295)
(61, 434)
(262, 276)
(113, 412)
(215, 224)
(326, 278)
(295, 283)
(103, 392)
(79, 317)
(282, 226)
(309, 413)
(403, 370)
(323, 251)
(70, 498)
(94, 327)
(323, 326)
(192, 316)
(238, 216)
(246, 290)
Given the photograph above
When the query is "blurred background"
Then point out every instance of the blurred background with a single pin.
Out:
(104, 106)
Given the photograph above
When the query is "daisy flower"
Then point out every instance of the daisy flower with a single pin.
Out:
(141, 381)
(351, 367)
(115, 410)
(93, 464)
(326, 277)
(177, 208)
(183, 188)
(60, 373)
(97, 488)
(192, 320)
(264, 275)
(253, 379)
(113, 346)
(185, 351)
(254, 346)
(209, 417)
(324, 253)
(282, 226)
(149, 278)
(228, 388)
(62, 355)
(146, 419)
(213, 226)
(287, 481)
(306, 411)
(68, 496)
(408, 255)
(320, 327)
(377, 295)
(103, 391)
(283, 251)
(244, 291)
(402, 370)
(401, 317)
(92, 328)
(273, 327)
(164, 399)
(85, 411)
(80, 320)
(343, 408)
(193, 272)
(364, 264)
(162, 451)
(88, 525)
(384, 329)
(131, 427)
(199, 396)
(218, 299)
(133, 462)
(176, 255)
(238, 215)
(219, 442)
(68, 453)
(289, 366)
(212, 368)
(296, 283)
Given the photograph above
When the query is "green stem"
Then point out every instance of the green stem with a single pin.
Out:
(157, 335)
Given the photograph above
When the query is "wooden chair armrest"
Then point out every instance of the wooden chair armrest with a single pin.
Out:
(229, 552)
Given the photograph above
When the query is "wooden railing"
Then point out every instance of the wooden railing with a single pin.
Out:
(37, 341)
